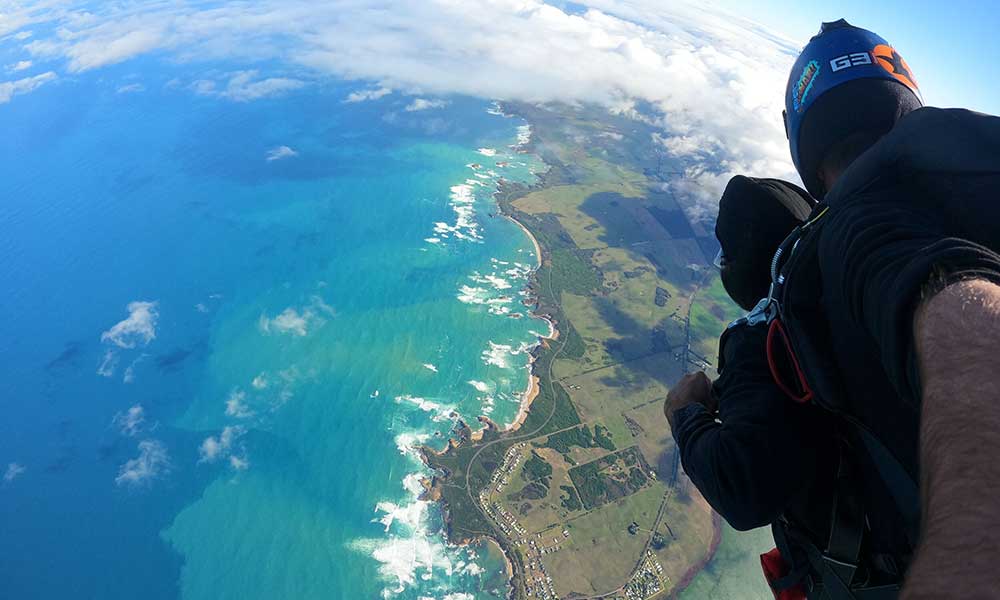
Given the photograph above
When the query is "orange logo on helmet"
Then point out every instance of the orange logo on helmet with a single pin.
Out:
(891, 61)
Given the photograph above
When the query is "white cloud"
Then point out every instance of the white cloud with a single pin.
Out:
(280, 152)
(365, 95)
(204, 87)
(108, 364)
(138, 328)
(289, 321)
(21, 65)
(9, 89)
(151, 463)
(424, 104)
(210, 450)
(298, 322)
(259, 382)
(113, 46)
(713, 81)
(130, 422)
(14, 470)
(129, 375)
(227, 446)
(318, 303)
(131, 88)
(22, 35)
(244, 86)
(236, 405)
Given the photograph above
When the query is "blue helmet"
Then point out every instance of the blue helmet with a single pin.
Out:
(839, 54)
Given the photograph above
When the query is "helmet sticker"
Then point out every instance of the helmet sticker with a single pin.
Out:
(805, 84)
(850, 60)
(891, 61)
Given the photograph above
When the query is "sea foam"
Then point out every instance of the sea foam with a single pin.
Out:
(498, 355)
(481, 386)
(413, 556)
(440, 412)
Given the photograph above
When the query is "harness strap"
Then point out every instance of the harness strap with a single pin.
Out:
(775, 330)
(833, 573)
(791, 548)
(846, 528)
(837, 589)
(897, 480)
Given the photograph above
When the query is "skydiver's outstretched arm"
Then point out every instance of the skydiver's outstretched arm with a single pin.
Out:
(957, 332)
(765, 452)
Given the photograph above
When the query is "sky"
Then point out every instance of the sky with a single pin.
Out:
(949, 45)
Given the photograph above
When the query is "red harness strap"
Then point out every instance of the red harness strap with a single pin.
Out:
(775, 569)
(775, 330)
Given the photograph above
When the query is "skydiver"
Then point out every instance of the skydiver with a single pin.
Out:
(885, 308)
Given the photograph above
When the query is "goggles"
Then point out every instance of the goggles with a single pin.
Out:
(720, 260)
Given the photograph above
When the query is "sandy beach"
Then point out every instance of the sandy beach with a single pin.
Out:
(533, 380)
(529, 396)
(527, 232)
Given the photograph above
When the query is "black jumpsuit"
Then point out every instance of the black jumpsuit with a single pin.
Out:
(917, 211)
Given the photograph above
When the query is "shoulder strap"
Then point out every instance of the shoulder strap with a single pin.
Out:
(904, 490)
(789, 260)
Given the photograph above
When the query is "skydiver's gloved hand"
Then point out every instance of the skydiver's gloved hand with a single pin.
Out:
(693, 388)
(755, 216)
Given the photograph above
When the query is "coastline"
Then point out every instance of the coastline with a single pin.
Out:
(531, 236)
(698, 567)
(532, 390)
(474, 459)
(432, 489)
(533, 380)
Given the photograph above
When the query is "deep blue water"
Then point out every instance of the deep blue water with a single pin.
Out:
(270, 300)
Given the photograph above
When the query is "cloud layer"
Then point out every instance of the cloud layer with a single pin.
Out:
(713, 81)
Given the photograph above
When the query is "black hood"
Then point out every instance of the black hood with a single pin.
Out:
(755, 216)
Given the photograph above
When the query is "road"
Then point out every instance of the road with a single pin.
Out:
(534, 433)
(670, 490)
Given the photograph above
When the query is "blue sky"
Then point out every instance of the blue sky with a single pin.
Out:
(949, 45)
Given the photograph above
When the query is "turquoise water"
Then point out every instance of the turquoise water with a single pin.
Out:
(227, 324)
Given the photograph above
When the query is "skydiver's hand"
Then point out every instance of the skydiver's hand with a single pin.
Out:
(692, 388)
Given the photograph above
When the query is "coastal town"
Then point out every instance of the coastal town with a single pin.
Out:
(648, 580)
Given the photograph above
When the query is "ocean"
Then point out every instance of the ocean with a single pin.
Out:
(226, 324)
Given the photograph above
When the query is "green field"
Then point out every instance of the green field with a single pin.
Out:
(600, 548)
(626, 278)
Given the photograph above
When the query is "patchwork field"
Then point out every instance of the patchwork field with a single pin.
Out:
(587, 497)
